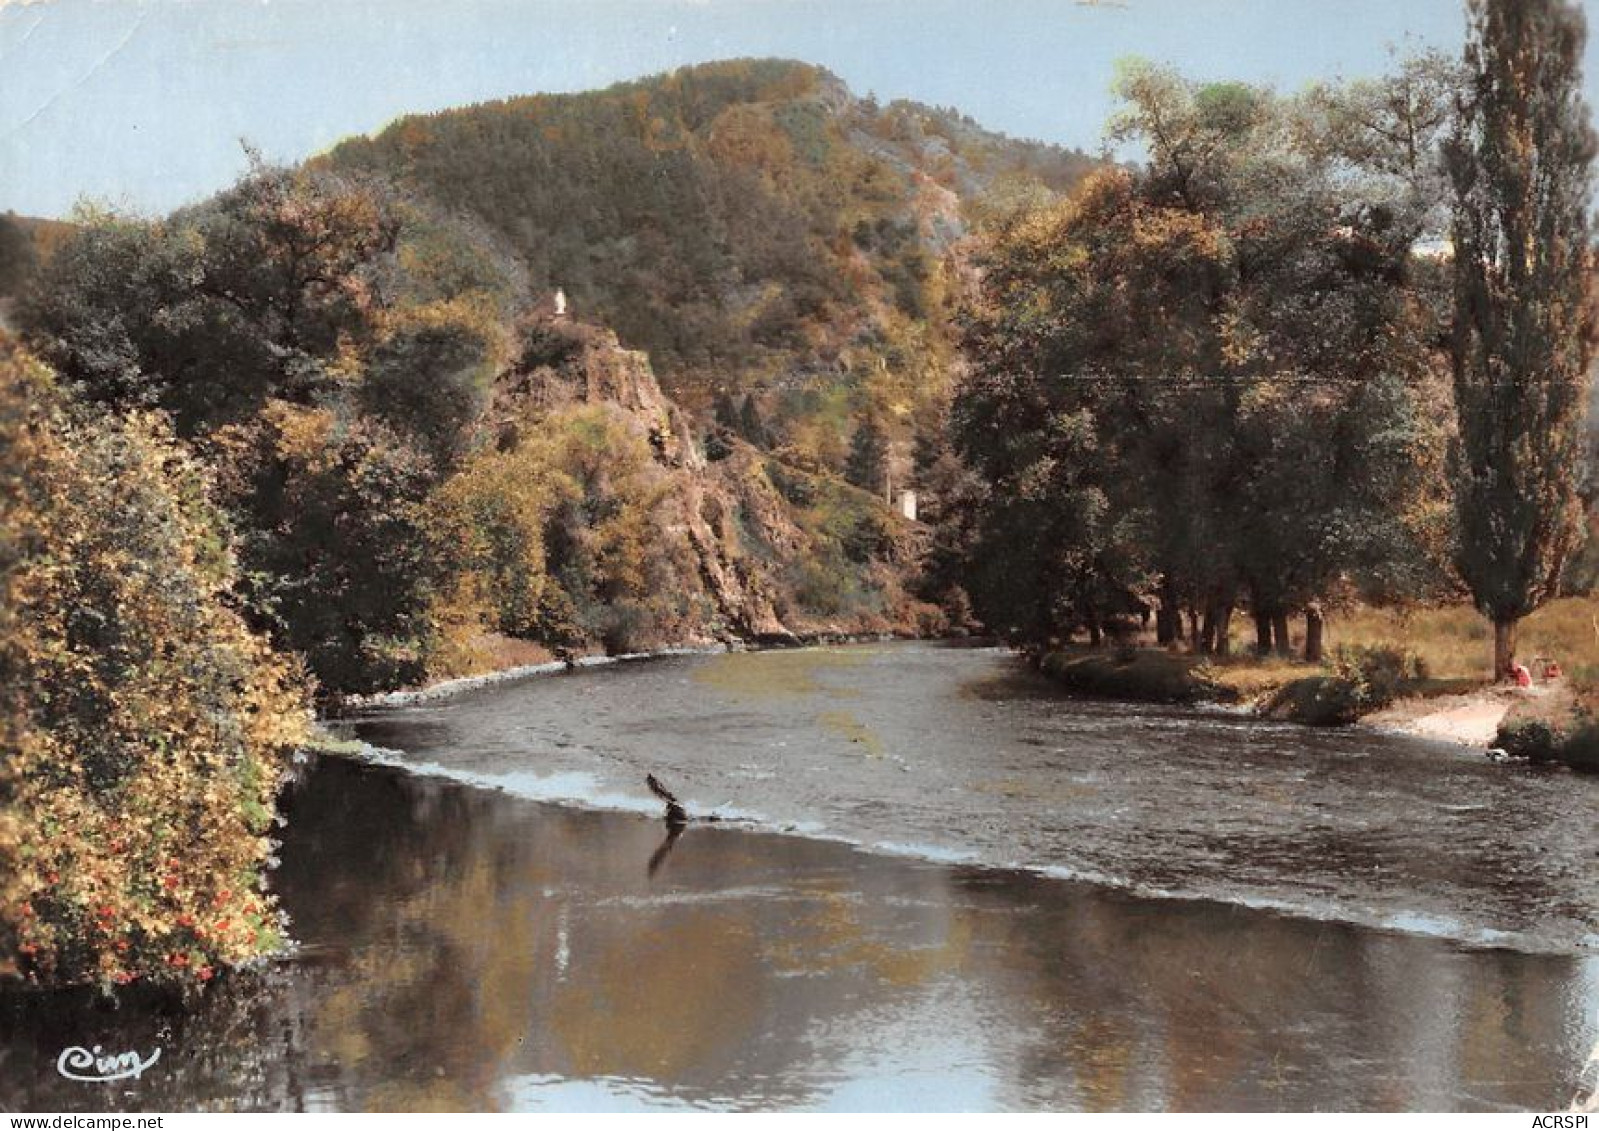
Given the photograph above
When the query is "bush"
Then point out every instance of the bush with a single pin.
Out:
(867, 537)
(718, 445)
(1575, 745)
(1532, 739)
(796, 487)
(957, 607)
(1362, 680)
(1144, 674)
(820, 587)
(551, 344)
(1376, 675)
(930, 621)
(146, 729)
(487, 524)
(1321, 700)
(1581, 748)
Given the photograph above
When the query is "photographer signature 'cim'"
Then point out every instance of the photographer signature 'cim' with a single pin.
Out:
(97, 1067)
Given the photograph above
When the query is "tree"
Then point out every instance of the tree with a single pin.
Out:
(1391, 129)
(751, 425)
(867, 465)
(329, 510)
(328, 347)
(724, 410)
(262, 292)
(1520, 163)
(1201, 381)
(1055, 405)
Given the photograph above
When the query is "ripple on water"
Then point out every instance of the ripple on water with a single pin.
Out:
(963, 755)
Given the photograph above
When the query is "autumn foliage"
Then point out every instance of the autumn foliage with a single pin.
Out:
(145, 729)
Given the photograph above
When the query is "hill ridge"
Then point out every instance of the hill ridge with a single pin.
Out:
(752, 224)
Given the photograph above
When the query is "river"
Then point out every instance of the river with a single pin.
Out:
(936, 883)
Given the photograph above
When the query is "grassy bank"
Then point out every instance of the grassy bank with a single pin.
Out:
(1457, 642)
(1155, 675)
(1555, 724)
(1454, 641)
(1272, 684)
(1377, 658)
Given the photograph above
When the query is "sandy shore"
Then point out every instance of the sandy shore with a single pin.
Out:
(1472, 719)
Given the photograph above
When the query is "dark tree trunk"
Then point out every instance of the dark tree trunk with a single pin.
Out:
(1223, 645)
(1262, 633)
(1168, 618)
(1279, 629)
(1096, 636)
(1207, 639)
(1166, 626)
(1194, 641)
(1504, 646)
(1313, 630)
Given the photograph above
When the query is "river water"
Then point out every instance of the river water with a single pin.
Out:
(937, 884)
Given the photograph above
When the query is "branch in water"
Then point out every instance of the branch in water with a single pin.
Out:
(675, 813)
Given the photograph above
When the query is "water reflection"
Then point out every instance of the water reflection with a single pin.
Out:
(471, 950)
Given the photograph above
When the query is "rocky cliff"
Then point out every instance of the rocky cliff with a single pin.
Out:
(758, 550)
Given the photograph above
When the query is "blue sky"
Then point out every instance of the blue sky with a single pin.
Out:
(141, 104)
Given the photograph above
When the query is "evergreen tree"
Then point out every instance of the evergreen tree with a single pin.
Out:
(868, 456)
(725, 411)
(750, 424)
(1521, 166)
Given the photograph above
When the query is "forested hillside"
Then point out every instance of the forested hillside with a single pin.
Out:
(425, 469)
(752, 225)
(420, 455)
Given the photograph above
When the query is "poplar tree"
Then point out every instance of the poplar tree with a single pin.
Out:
(1520, 164)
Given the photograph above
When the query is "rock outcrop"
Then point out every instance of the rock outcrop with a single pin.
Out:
(776, 552)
